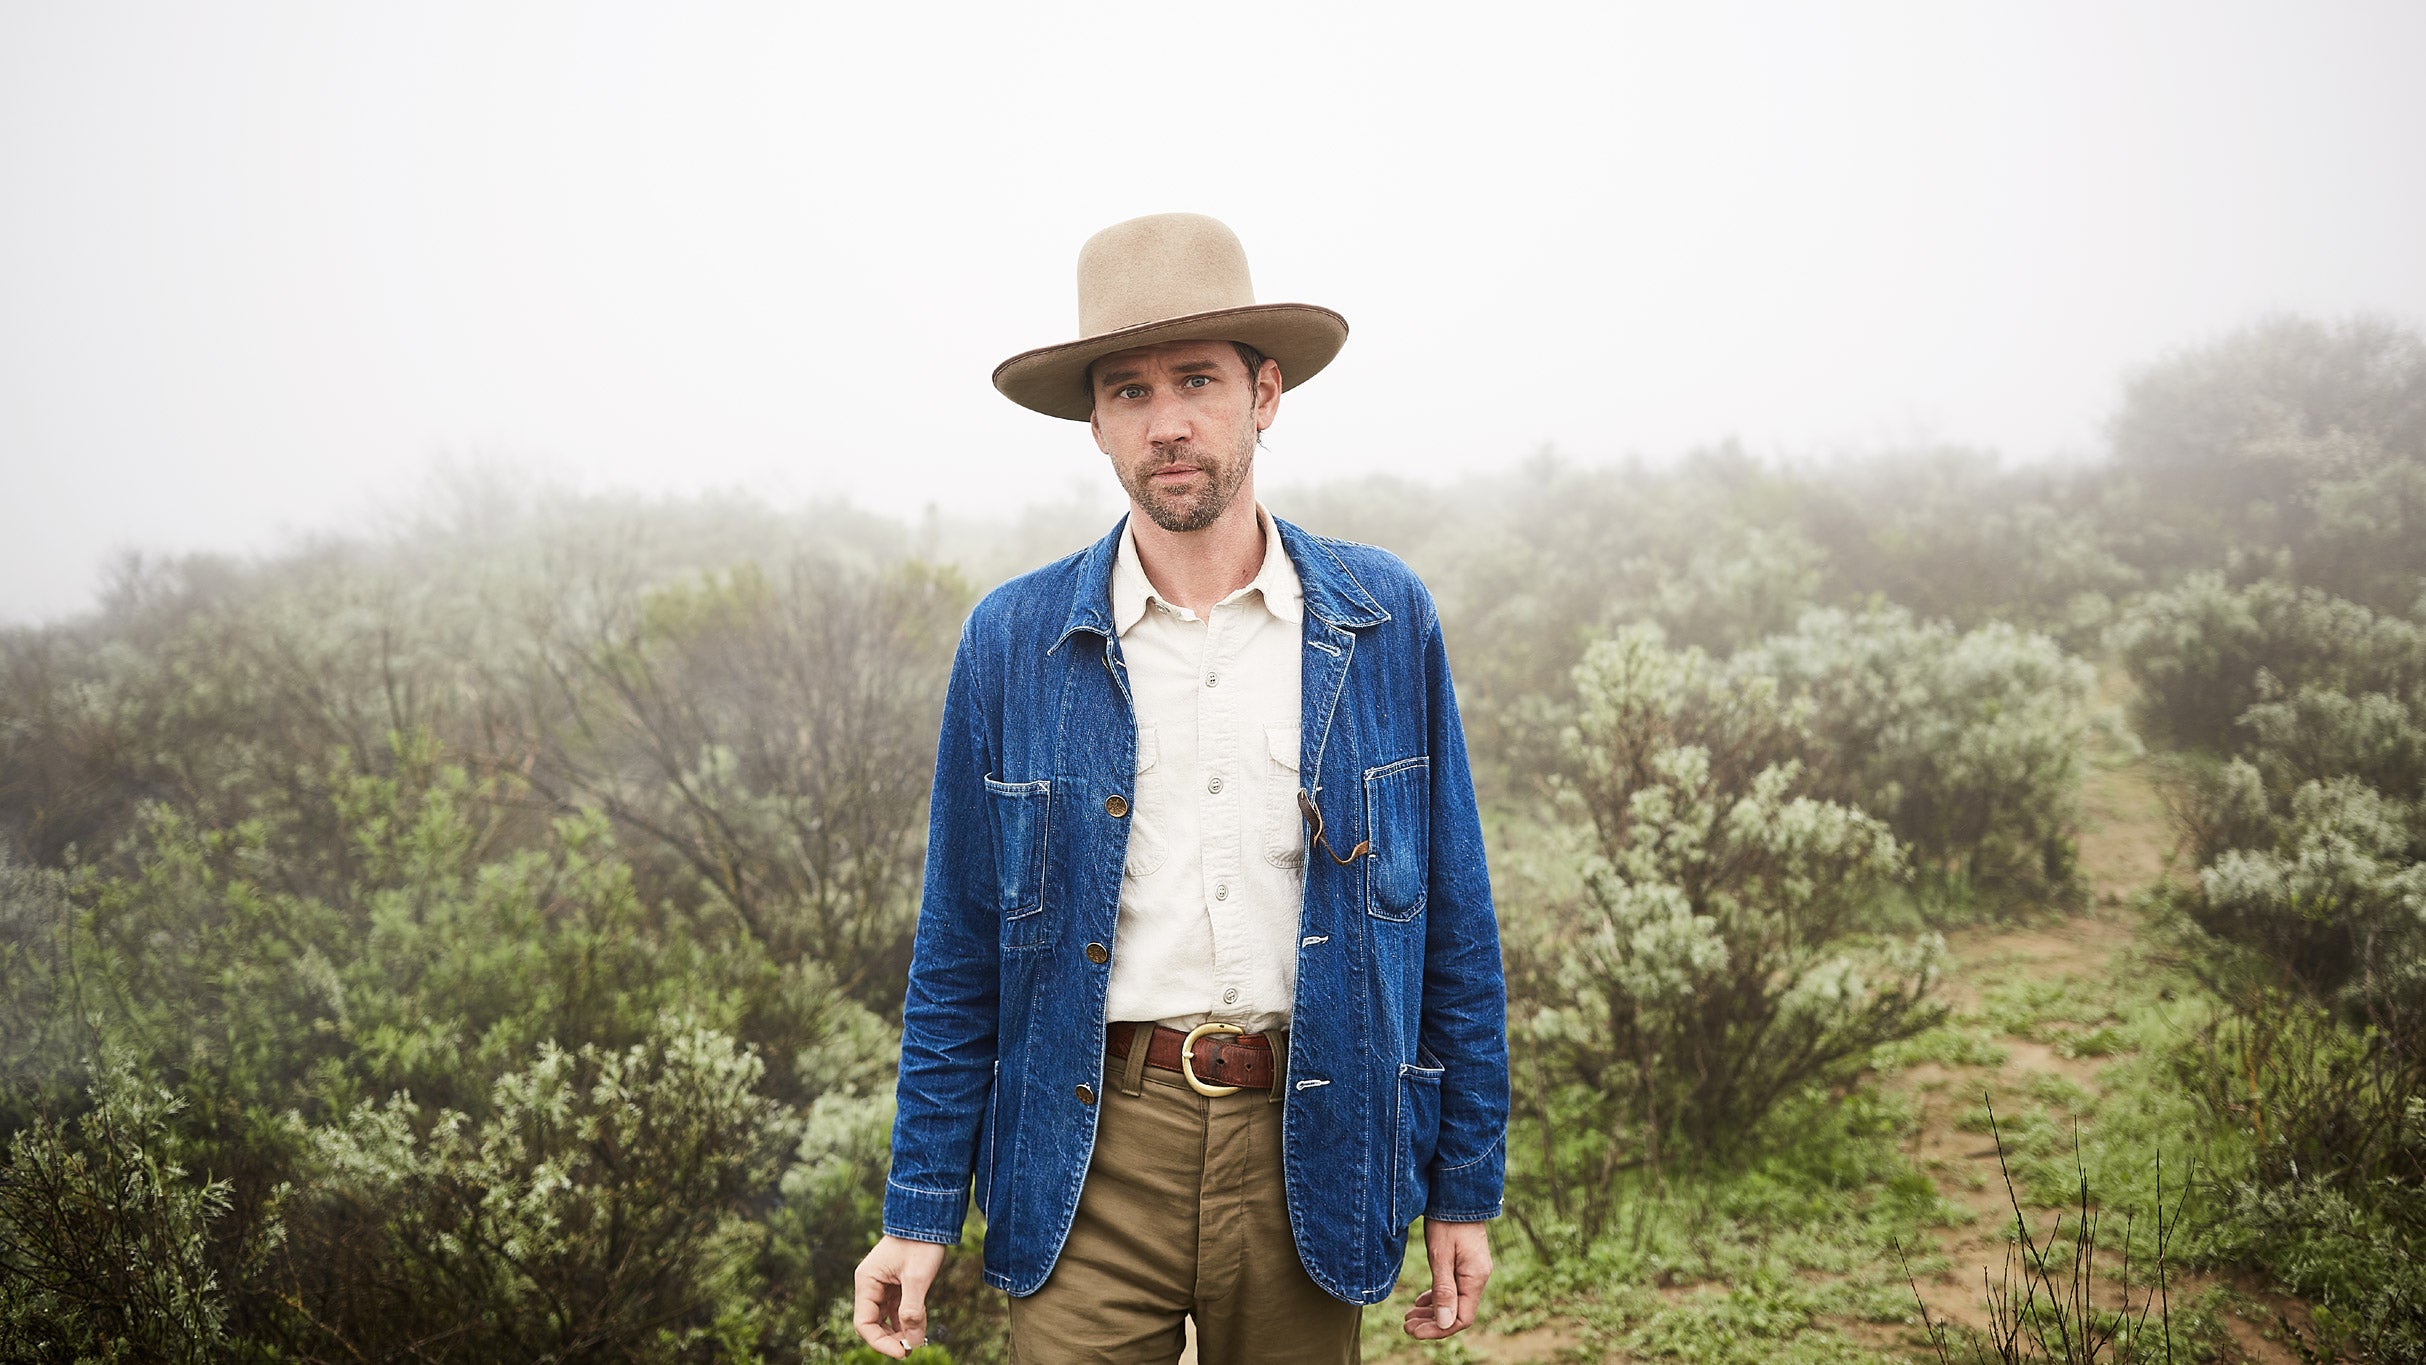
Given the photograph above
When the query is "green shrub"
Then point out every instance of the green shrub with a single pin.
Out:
(1719, 961)
(596, 1209)
(2337, 904)
(104, 1235)
(1967, 744)
(2203, 653)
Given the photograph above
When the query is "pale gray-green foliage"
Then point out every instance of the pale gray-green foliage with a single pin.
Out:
(1966, 742)
(2338, 900)
(599, 1207)
(2203, 653)
(1722, 959)
(1740, 584)
(103, 1235)
(2319, 732)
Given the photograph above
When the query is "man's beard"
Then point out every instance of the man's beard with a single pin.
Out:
(1173, 510)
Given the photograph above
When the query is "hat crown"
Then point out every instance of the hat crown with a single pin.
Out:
(1164, 265)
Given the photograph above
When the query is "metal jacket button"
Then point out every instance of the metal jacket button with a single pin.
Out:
(1116, 806)
(1086, 1094)
(1096, 952)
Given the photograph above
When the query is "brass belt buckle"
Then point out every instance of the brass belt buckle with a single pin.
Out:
(1187, 1059)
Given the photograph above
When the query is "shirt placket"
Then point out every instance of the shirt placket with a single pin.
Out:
(1220, 796)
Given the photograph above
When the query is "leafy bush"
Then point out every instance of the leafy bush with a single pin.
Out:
(2331, 1198)
(1719, 961)
(1966, 744)
(2203, 654)
(2338, 904)
(2319, 733)
(595, 1210)
(103, 1235)
(2275, 438)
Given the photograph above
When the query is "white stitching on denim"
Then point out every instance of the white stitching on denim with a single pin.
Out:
(1310, 1084)
(1311, 939)
(1486, 1156)
(913, 1189)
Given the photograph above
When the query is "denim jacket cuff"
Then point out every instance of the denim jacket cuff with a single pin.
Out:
(1469, 1192)
(924, 1215)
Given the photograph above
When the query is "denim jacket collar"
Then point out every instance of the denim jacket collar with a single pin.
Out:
(1333, 596)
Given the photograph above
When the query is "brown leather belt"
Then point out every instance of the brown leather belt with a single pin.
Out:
(1217, 1060)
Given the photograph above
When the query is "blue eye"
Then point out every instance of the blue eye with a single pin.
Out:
(1131, 391)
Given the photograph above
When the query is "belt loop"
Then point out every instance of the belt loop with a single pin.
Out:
(1279, 1038)
(1133, 1069)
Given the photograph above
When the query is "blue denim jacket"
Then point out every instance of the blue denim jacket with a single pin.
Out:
(1396, 1098)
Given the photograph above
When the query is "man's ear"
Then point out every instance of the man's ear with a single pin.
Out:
(1097, 428)
(1267, 393)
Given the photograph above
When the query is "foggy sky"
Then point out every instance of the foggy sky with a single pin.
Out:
(261, 265)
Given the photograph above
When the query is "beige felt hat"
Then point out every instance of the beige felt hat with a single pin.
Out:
(1166, 277)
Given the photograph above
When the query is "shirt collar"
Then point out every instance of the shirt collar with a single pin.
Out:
(1275, 581)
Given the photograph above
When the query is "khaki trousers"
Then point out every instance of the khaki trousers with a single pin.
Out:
(1181, 1216)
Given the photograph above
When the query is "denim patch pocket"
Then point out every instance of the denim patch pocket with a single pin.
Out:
(1020, 810)
(1398, 812)
(1418, 1139)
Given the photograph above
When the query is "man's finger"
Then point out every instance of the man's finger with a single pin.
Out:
(915, 1278)
(1444, 1293)
(1471, 1277)
(872, 1312)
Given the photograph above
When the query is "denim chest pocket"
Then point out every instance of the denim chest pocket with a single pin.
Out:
(1022, 818)
(1398, 812)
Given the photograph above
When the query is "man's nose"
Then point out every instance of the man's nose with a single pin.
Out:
(1167, 421)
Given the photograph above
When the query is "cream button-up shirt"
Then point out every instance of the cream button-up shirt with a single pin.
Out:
(1210, 893)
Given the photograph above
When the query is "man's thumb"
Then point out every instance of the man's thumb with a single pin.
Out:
(1444, 1297)
(913, 1310)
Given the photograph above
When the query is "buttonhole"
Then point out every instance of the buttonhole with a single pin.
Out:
(1311, 939)
(1309, 1085)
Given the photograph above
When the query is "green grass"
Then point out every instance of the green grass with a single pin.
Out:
(1761, 1263)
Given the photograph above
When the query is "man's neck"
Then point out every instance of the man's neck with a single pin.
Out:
(1195, 569)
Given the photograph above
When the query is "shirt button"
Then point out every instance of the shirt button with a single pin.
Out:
(1086, 1094)
(1098, 953)
(1116, 806)
(1214, 786)
(1230, 996)
(1221, 891)
(1212, 680)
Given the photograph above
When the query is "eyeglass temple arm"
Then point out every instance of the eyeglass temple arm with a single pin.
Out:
(1314, 816)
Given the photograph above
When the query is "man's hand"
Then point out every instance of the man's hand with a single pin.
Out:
(1461, 1266)
(890, 1305)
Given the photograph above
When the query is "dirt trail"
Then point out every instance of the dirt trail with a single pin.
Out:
(2126, 844)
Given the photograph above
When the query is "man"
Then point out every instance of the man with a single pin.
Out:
(1206, 992)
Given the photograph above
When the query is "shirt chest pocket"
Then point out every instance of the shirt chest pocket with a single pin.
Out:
(1284, 826)
(1149, 841)
(1021, 814)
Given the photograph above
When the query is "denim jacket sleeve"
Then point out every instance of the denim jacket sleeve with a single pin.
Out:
(948, 1019)
(1465, 1009)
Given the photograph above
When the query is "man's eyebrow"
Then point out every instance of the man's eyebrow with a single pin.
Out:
(1120, 376)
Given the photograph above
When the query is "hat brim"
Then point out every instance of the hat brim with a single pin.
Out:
(1053, 379)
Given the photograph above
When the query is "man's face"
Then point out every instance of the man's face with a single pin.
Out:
(1179, 421)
